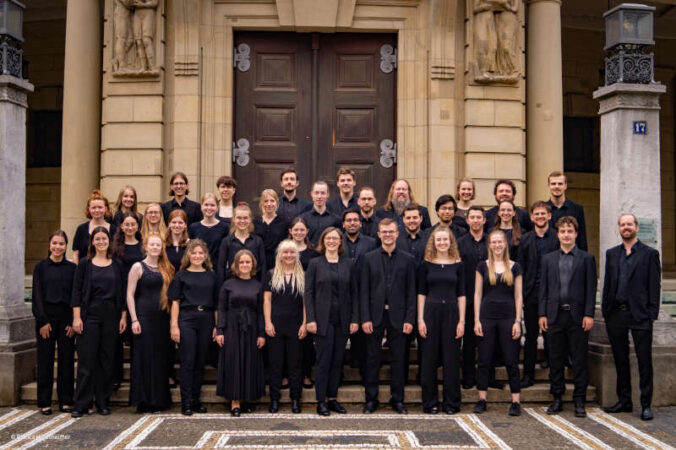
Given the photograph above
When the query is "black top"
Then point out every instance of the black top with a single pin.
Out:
(84, 287)
(570, 208)
(133, 253)
(358, 249)
(52, 285)
(334, 314)
(498, 301)
(627, 263)
(212, 235)
(382, 213)
(194, 289)
(414, 245)
(290, 209)
(457, 230)
(117, 218)
(336, 206)
(103, 285)
(82, 238)
(531, 250)
(565, 275)
(286, 305)
(148, 290)
(230, 245)
(442, 281)
(272, 234)
(192, 209)
(175, 255)
(369, 226)
(317, 223)
(521, 214)
(306, 255)
(240, 303)
(471, 252)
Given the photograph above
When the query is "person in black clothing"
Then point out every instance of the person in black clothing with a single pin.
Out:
(497, 314)
(367, 203)
(412, 240)
(566, 304)
(464, 194)
(98, 213)
(241, 334)
(506, 190)
(52, 288)
(446, 207)
(179, 189)
(534, 245)
(319, 218)
(399, 197)
(284, 312)
(127, 201)
(388, 304)
(291, 205)
(177, 238)
(473, 250)
(241, 237)
(148, 306)
(98, 317)
(562, 206)
(271, 227)
(210, 229)
(332, 311)
(441, 319)
(507, 222)
(227, 186)
(631, 302)
(193, 293)
(346, 198)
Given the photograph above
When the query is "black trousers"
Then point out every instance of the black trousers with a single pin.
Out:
(398, 345)
(196, 329)
(284, 350)
(498, 333)
(441, 320)
(96, 353)
(567, 338)
(330, 353)
(358, 351)
(530, 348)
(469, 348)
(618, 324)
(59, 317)
(308, 355)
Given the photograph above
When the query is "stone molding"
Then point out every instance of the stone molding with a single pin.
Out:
(14, 90)
(629, 96)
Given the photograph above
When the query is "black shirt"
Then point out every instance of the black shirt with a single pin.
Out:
(317, 223)
(82, 238)
(103, 285)
(306, 255)
(387, 259)
(117, 218)
(626, 265)
(337, 207)
(565, 275)
(52, 285)
(133, 253)
(272, 234)
(286, 305)
(369, 226)
(194, 289)
(192, 209)
(413, 245)
(240, 307)
(570, 208)
(497, 301)
(334, 315)
(230, 245)
(294, 208)
(212, 235)
(441, 281)
(175, 254)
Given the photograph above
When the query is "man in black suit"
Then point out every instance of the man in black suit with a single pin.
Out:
(412, 240)
(534, 245)
(388, 303)
(346, 199)
(631, 302)
(566, 308)
(562, 206)
(506, 190)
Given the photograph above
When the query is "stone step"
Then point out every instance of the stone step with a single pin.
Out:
(539, 393)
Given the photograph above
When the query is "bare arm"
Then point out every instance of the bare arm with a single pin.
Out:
(478, 293)
(462, 303)
(134, 275)
(422, 326)
(175, 332)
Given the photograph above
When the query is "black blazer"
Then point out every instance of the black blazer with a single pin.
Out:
(644, 282)
(528, 258)
(402, 294)
(318, 294)
(582, 287)
(365, 244)
(82, 291)
(469, 257)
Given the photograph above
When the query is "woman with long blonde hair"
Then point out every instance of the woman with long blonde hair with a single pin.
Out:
(127, 201)
(498, 305)
(148, 306)
(153, 221)
(284, 312)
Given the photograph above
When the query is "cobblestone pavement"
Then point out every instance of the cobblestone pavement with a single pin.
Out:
(24, 427)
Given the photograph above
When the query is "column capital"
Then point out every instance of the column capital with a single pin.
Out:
(14, 90)
(629, 96)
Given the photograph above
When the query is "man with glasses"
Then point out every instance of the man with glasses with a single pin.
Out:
(366, 200)
(179, 188)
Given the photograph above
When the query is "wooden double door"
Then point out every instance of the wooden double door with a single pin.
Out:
(314, 101)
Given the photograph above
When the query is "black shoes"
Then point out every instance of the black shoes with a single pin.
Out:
(515, 409)
(526, 381)
(46, 412)
(274, 406)
(76, 414)
(295, 406)
(336, 407)
(480, 407)
(323, 409)
(399, 407)
(186, 409)
(104, 411)
(235, 412)
(619, 407)
(199, 408)
(370, 407)
(544, 364)
(579, 409)
(448, 409)
(646, 413)
(66, 409)
(555, 407)
(431, 410)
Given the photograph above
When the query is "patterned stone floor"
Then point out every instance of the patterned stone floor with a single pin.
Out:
(24, 427)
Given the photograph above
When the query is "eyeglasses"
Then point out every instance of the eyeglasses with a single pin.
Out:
(331, 238)
(178, 183)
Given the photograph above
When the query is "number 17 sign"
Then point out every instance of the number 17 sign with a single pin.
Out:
(640, 127)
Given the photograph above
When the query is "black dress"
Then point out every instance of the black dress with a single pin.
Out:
(240, 320)
(272, 234)
(306, 255)
(133, 253)
(149, 374)
(175, 254)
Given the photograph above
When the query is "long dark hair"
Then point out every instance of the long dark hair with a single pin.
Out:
(60, 233)
(118, 238)
(516, 226)
(91, 252)
(296, 220)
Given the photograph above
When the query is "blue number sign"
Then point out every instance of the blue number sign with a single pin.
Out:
(640, 127)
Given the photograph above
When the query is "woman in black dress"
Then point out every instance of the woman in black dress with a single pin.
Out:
(441, 319)
(210, 229)
(241, 334)
(241, 237)
(497, 317)
(127, 201)
(271, 227)
(508, 222)
(332, 308)
(193, 293)
(177, 238)
(98, 213)
(285, 322)
(148, 306)
(52, 288)
(98, 317)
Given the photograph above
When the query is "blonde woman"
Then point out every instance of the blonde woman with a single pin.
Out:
(153, 221)
(272, 228)
(177, 237)
(284, 312)
(498, 306)
(241, 237)
(210, 229)
(465, 192)
(127, 201)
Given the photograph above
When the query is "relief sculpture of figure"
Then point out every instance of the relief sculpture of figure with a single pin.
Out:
(144, 32)
(124, 39)
(134, 31)
(495, 39)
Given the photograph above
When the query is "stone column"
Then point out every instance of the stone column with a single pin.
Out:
(544, 96)
(17, 334)
(80, 142)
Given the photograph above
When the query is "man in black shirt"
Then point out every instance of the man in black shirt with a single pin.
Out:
(413, 239)
(561, 206)
(566, 304)
(290, 205)
(506, 190)
(367, 204)
(388, 303)
(346, 199)
(179, 189)
(399, 197)
(534, 245)
(318, 218)
(446, 207)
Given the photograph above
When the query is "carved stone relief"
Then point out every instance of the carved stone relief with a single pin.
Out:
(134, 33)
(496, 37)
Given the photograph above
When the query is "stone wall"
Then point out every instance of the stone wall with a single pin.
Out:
(43, 201)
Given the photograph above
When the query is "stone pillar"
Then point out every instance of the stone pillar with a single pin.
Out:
(80, 142)
(17, 334)
(544, 96)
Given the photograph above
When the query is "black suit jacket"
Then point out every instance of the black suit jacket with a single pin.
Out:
(644, 282)
(570, 208)
(401, 296)
(318, 294)
(471, 260)
(82, 287)
(528, 258)
(364, 245)
(582, 289)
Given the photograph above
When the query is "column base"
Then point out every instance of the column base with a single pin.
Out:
(17, 367)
